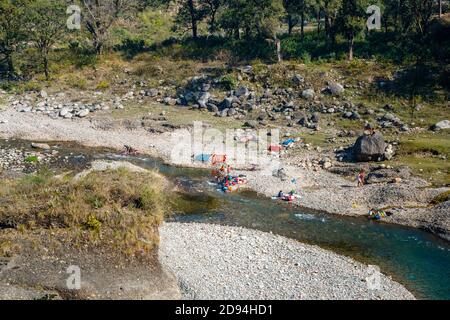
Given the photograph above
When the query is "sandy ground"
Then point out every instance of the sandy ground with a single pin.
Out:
(320, 190)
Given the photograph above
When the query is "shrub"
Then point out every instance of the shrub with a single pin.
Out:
(31, 159)
(229, 82)
(102, 85)
(93, 224)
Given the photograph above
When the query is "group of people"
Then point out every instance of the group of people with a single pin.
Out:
(129, 151)
(378, 214)
(287, 197)
(227, 181)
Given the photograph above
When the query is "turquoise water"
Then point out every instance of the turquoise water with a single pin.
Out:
(413, 257)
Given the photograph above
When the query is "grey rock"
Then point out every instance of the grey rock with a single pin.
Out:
(42, 146)
(203, 99)
(441, 125)
(231, 112)
(43, 94)
(315, 117)
(227, 102)
(242, 91)
(308, 94)
(369, 147)
(152, 93)
(251, 124)
(212, 107)
(64, 112)
(336, 89)
(297, 79)
(25, 109)
(355, 116)
(83, 113)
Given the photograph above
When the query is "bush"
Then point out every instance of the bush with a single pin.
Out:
(93, 224)
(31, 159)
(229, 82)
(102, 85)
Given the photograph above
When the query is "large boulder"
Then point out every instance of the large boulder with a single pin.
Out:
(203, 99)
(369, 147)
(308, 94)
(336, 89)
(242, 91)
(441, 125)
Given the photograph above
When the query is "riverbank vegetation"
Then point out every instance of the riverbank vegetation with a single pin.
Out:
(115, 210)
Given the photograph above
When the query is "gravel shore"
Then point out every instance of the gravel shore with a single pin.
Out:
(341, 196)
(221, 262)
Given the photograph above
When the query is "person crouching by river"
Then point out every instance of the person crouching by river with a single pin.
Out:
(361, 178)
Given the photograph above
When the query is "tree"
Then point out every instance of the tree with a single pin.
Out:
(296, 10)
(258, 18)
(211, 9)
(100, 15)
(331, 11)
(190, 14)
(291, 14)
(46, 21)
(351, 20)
(421, 11)
(12, 31)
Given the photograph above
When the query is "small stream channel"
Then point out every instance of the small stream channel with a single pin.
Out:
(415, 258)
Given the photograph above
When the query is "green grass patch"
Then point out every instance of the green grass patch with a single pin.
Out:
(432, 169)
(426, 143)
(31, 159)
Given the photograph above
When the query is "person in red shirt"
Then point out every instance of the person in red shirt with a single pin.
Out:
(361, 178)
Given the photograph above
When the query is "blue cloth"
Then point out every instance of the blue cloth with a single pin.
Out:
(203, 157)
(288, 142)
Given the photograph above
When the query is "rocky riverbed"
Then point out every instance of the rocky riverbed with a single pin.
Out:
(320, 189)
(220, 262)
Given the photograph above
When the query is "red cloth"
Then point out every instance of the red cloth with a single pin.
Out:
(217, 158)
(274, 148)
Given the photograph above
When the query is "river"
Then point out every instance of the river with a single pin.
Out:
(415, 258)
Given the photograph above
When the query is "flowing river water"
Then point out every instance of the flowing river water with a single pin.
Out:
(413, 257)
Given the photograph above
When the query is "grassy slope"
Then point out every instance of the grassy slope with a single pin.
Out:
(114, 210)
(171, 64)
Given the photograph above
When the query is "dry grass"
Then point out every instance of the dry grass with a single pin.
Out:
(118, 209)
(441, 198)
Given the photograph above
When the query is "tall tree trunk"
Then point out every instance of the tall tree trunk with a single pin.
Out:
(290, 24)
(302, 21)
(9, 61)
(237, 34)
(278, 48)
(98, 46)
(193, 19)
(440, 8)
(45, 62)
(350, 48)
(334, 42)
(212, 26)
(318, 21)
